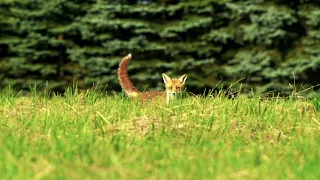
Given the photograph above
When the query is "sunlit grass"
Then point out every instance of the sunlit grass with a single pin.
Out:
(90, 134)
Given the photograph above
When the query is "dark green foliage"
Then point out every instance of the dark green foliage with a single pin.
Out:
(269, 43)
(36, 47)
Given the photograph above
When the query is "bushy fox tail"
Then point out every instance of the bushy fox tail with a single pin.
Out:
(123, 77)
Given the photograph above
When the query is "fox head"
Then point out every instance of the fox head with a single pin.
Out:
(173, 85)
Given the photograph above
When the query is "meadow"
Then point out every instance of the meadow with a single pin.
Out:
(94, 135)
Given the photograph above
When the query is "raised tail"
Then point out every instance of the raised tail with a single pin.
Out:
(123, 77)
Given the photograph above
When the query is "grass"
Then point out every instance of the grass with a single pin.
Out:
(90, 135)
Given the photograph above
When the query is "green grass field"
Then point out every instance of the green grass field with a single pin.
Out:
(90, 135)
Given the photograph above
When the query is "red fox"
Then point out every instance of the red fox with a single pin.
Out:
(173, 85)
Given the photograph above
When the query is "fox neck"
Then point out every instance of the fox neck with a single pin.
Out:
(169, 97)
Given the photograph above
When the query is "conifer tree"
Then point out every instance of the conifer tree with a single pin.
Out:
(269, 43)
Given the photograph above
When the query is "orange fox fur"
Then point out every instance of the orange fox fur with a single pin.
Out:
(173, 85)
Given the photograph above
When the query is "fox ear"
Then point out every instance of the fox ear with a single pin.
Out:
(166, 78)
(183, 78)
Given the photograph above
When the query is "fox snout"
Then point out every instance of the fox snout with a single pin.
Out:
(171, 93)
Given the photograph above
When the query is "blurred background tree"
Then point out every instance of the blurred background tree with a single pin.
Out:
(269, 43)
